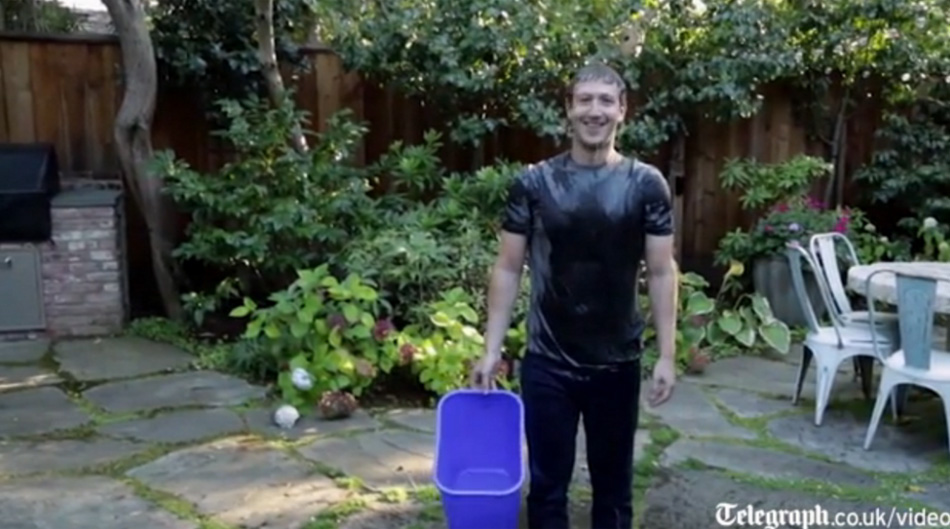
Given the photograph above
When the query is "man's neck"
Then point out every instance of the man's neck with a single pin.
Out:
(605, 156)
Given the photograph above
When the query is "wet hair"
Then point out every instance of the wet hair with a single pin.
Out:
(597, 71)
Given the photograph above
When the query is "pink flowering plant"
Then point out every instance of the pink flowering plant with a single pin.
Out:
(793, 220)
(779, 195)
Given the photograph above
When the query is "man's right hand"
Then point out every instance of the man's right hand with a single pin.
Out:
(484, 370)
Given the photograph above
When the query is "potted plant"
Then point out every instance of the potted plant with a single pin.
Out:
(778, 194)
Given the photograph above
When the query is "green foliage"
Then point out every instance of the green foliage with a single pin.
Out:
(272, 211)
(468, 58)
(911, 170)
(426, 248)
(329, 329)
(934, 235)
(871, 246)
(43, 16)
(209, 47)
(762, 185)
(707, 328)
(798, 221)
(745, 323)
(447, 344)
(781, 189)
(694, 304)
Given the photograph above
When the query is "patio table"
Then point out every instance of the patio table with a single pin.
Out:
(883, 286)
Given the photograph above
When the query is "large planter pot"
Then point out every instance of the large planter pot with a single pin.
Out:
(772, 278)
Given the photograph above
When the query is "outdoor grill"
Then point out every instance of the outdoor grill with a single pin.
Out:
(29, 179)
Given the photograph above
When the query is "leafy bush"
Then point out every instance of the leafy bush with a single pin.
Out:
(711, 327)
(209, 47)
(272, 211)
(329, 333)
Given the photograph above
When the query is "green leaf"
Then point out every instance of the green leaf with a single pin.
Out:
(761, 307)
(351, 313)
(699, 303)
(367, 319)
(746, 336)
(441, 319)
(748, 316)
(730, 322)
(299, 361)
(253, 329)
(360, 332)
(365, 293)
(714, 334)
(341, 381)
(777, 335)
(299, 329)
(272, 331)
(468, 314)
(240, 311)
(335, 338)
(694, 335)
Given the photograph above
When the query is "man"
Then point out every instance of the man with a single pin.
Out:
(585, 219)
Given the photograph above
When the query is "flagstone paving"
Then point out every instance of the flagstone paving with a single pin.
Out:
(123, 433)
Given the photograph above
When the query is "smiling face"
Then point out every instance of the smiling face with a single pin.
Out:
(596, 108)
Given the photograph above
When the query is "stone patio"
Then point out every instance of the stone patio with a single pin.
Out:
(123, 433)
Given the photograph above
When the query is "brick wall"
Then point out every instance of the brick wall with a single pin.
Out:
(82, 281)
(82, 268)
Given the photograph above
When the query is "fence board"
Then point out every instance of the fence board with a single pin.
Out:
(68, 90)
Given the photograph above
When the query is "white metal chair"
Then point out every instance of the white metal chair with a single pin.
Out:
(917, 362)
(828, 345)
(824, 248)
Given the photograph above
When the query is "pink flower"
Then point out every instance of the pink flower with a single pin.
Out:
(781, 208)
(814, 203)
(336, 321)
(382, 329)
(842, 225)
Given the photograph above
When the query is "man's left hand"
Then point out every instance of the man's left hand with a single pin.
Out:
(664, 378)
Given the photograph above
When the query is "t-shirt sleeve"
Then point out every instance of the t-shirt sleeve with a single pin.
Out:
(517, 214)
(657, 204)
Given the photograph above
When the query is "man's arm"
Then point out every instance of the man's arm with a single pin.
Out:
(662, 272)
(503, 290)
(506, 274)
(662, 280)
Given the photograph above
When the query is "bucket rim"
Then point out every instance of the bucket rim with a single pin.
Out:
(438, 434)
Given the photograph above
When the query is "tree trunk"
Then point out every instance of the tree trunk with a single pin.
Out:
(133, 136)
(267, 54)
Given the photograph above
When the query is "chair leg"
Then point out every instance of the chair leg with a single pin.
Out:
(883, 396)
(865, 365)
(899, 400)
(802, 371)
(946, 411)
(826, 379)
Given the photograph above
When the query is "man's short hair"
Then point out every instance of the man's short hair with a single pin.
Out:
(598, 71)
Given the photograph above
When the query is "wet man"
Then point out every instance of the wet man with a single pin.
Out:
(585, 220)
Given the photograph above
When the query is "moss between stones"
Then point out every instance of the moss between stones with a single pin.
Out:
(331, 518)
(175, 505)
(661, 436)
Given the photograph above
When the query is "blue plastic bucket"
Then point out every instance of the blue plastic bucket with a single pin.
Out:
(479, 461)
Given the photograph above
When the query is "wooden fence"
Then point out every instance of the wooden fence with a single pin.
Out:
(67, 89)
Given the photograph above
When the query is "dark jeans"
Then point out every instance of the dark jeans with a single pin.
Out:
(555, 397)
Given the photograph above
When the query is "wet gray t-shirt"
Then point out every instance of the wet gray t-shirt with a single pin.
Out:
(586, 229)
